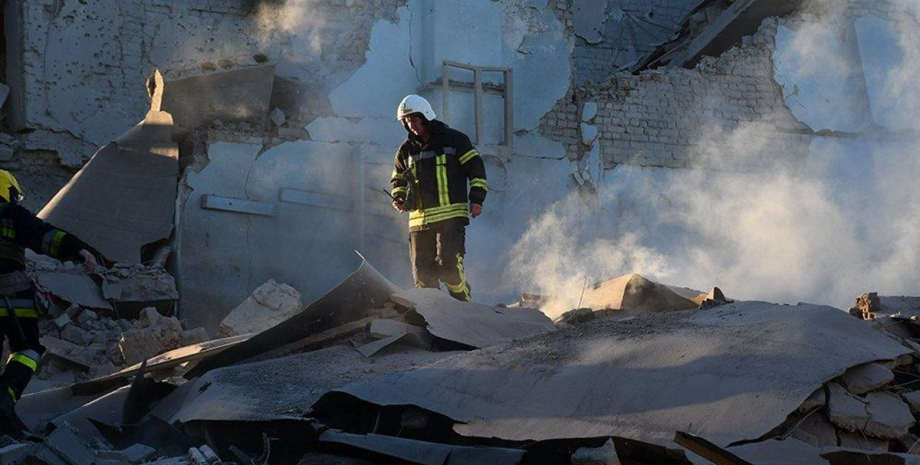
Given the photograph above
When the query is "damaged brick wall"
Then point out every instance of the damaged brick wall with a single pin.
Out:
(658, 117)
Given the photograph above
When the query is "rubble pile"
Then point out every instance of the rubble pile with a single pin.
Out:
(370, 372)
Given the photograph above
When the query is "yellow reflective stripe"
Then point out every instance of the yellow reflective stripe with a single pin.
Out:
(8, 232)
(12, 394)
(56, 243)
(399, 190)
(468, 156)
(441, 171)
(462, 287)
(435, 214)
(397, 175)
(22, 359)
(480, 183)
(21, 312)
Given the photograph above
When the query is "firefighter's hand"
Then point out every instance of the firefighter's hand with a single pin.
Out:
(399, 204)
(89, 261)
(475, 209)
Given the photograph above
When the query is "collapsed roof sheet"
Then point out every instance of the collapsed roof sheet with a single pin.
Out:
(728, 374)
(286, 387)
(424, 453)
(473, 324)
(364, 290)
(125, 196)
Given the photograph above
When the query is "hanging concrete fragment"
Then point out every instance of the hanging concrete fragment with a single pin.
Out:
(125, 197)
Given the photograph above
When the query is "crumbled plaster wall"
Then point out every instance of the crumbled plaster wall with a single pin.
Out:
(349, 154)
(84, 63)
(658, 117)
(624, 32)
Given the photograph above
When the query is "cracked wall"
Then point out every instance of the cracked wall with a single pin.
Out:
(84, 63)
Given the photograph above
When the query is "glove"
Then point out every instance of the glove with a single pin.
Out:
(399, 203)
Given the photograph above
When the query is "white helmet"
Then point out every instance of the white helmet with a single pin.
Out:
(415, 104)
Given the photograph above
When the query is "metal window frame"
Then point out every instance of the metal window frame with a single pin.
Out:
(505, 90)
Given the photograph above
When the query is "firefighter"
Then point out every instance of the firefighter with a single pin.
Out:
(20, 229)
(440, 179)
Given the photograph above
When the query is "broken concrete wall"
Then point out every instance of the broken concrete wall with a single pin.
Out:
(81, 66)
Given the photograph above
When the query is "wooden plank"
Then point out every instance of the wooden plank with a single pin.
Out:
(708, 450)
(230, 204)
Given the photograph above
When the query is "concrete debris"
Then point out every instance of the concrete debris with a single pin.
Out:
(240, 93)
(155, 334)
(815, 430)
(844, 410)
(715, 298)
(604, 455)
(135, 287)
(270, 304)
(203, 455)
(913, 401)
(277, 117)
(865, 378)
(867, 305)
(857, 440)
(633, 292)
(577, 316)
(889, 416)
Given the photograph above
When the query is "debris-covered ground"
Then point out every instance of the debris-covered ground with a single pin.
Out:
(180, 350)
(372, 373)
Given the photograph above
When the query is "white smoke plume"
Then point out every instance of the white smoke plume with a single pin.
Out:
(843, 222)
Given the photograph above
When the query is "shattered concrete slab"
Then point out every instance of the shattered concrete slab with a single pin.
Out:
(844, 410)
(889, 416)
(239, 93)
(636, 293)
(269, 304)
(865, 378)
(651, 375)
(125, 197)
(471, 324)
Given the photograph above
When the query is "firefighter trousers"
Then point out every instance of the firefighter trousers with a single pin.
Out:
(437, 255)
(23, 335)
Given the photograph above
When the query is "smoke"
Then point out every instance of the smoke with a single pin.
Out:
(844, 221)
(297, 19)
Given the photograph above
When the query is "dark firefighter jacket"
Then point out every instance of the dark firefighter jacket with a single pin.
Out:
(441, 168)
(20, 229)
